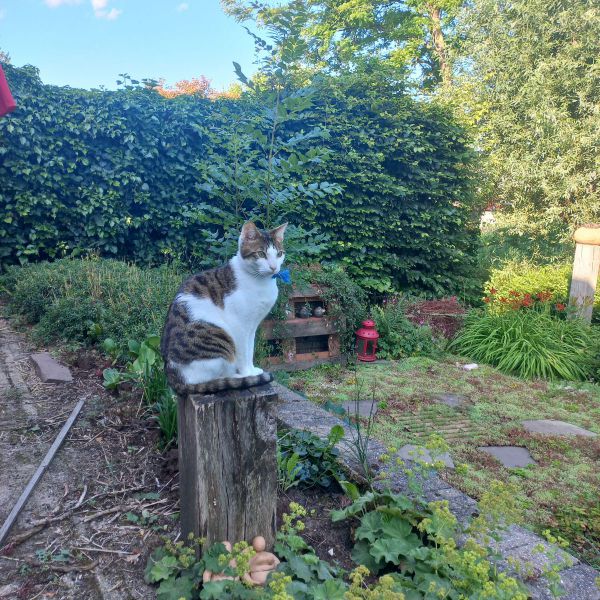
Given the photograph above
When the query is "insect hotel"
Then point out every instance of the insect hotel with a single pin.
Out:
(308, 336)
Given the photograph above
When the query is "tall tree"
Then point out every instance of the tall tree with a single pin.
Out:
(412, 35)
(533, 74)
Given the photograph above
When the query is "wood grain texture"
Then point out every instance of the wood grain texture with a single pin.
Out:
(586, 265)
(228, 466)
(297, 328)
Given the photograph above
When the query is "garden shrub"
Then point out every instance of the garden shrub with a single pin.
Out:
(530, 343)
(398, 336)
(526, 277)
(315, 460)
(89, 300)
(379, 180)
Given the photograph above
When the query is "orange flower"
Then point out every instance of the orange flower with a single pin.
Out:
(514, 293)
(487, 299)
(560, 306)
(493, 291)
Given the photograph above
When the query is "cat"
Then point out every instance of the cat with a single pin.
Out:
(208, 339)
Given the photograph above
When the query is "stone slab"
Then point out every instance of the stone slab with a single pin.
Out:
(578, 583)
(510, 456)
(453, 400)
(515, 542)
(536, 557)
(363, 407)
(49, 370)
(551, 427)
(420, 453)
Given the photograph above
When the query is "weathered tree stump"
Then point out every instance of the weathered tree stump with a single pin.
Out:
(228, 465)
(585, 270)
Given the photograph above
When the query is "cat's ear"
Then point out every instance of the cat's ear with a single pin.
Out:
(277, 233)
(249, 231)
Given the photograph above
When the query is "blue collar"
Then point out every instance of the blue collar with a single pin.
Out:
(284, 275)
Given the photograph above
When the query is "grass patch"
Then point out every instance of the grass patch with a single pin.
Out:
(559, 493)
(83, 301)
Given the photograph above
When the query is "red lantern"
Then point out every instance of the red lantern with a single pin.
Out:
(366, 341)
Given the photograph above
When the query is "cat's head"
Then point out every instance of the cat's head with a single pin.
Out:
(262, 251)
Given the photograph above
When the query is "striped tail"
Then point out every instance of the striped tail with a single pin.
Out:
(220, 385)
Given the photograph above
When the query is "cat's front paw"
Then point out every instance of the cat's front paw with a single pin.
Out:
(253, 371)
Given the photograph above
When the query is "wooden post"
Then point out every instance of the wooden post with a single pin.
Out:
(228, 465)
(585, 270)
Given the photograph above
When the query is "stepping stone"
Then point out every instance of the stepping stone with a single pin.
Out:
(50, 371)
(510, 456)
(471, 367)
(550, 427)
(453, 400)
(364, 407)
(414, 453)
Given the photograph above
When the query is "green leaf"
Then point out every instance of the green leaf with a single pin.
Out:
(176, 589)
(393, 550)
(361, 555)
(163, 569)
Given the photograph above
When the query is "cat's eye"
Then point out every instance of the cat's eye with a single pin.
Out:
(261, 254)
(279, 254)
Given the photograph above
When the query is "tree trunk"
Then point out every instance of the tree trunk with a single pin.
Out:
(228, 466)
(439, 44)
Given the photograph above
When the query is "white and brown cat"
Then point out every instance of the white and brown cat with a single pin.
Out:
(208, 339)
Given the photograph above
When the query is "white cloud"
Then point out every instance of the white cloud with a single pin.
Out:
(2, 14)
(57, 3)
(182, 7)
(112, 14)
(101, 12)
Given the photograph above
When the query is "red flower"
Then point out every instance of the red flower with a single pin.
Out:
(560, 306)
(514, 293)
(493, 291)
(527, 301)
(487, 299)
(503, 299)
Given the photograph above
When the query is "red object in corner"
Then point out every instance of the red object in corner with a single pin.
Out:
(7, 102)
(366, 341)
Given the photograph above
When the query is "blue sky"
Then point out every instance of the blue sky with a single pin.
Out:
(87, 43)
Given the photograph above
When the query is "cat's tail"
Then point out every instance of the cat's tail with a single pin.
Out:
(220, 385)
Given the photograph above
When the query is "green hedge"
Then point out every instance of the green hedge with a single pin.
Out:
(122, 174)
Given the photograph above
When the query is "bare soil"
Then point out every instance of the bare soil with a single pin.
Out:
(109, 496)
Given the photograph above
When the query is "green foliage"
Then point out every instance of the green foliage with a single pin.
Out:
(527, 278)
(533, 80)
(346, 301)
(530, 344)
(395, 531)
(399, 337)
(89, 300)
(406, 37)
(145, 370)
(403, 221)
(133, 175)
(308, 460)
